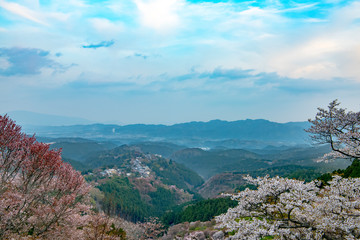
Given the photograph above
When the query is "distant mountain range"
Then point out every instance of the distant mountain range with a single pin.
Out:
(245, 134)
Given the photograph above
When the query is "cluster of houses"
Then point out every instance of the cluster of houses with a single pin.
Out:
(111, 172)
(136, 167)
(143, 170)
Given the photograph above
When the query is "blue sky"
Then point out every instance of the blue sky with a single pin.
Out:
(170, 61)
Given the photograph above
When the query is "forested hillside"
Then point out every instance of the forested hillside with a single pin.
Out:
(211, 162)
(135, 185)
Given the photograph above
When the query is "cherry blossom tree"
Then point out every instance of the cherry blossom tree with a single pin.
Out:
(283, 208)
(40, 195)
(339, 128)
(291, 209)
(153, 228)
(102, 227)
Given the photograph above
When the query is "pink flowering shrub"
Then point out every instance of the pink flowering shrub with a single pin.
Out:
(40, 195)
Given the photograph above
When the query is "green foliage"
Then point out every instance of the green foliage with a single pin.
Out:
(79, 149)
(200, 228)
(79, 166)
(122, 199)
(162, 200)
(243, 187)
(118, 157)
(166, 149)
(137, 199)
(305, 174)
(351, 171)
(173, 173)
(210, 163)
(203, 211)
(170, 172)
(196, 195)
(90, 178)
(289, 171)
(118, 232)
(325, 178)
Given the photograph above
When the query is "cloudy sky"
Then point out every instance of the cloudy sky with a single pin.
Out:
(170, 61)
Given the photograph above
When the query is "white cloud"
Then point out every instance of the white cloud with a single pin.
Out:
(58, 16)
(107, 27)
(22, 11)
(32, 11)
(298, 7)
(4, 63)
(77, 3)
(307, 59)
(322, 50)
(160, 15)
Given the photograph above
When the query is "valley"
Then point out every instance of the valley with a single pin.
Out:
(150, 178)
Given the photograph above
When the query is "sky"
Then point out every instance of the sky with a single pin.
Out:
(172, 61)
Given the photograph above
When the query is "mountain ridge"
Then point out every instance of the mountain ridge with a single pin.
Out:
(188, 134)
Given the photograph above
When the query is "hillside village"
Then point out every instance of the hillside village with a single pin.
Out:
(136, 167)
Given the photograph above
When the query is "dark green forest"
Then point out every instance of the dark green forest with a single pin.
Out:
(351, 171)
(173, 173)
(121, 198)
(204, 210)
